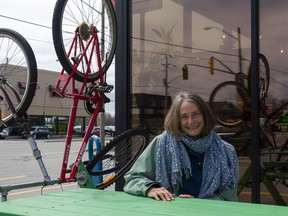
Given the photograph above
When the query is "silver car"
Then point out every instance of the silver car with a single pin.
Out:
(3, 134)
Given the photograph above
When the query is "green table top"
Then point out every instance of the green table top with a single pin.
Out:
(105, 203)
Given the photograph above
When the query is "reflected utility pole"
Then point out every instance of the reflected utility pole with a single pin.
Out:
(166, 83)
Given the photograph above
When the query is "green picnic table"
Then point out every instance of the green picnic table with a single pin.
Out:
(95, 202)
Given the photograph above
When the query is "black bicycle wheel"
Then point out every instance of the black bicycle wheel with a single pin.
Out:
(80, 16)
(18, 74)
(264, 76)
(230, 103)
(242, 79)
(119, 155)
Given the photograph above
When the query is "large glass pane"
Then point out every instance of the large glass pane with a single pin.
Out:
(273, 44)
(166, 35)
(213, 39)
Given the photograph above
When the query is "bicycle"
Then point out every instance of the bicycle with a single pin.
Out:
(84, 36)
(235, 111)
(17, 58)
(85, 49)
(230, 95)
(230, 101)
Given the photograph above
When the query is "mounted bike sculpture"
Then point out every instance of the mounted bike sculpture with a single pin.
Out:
(84, 36)
(17, 60)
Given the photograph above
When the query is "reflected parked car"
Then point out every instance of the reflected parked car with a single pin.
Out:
(95, 131)
(110, 130)
(3, 134)
(77, 129)
(38, 132)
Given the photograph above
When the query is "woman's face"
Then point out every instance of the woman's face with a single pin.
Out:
(191, 120)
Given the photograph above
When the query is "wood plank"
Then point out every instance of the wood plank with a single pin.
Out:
(105, 203)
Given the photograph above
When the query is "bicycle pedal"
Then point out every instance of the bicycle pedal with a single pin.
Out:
(55, 92)
(106, 99)
(75, 59)
(104, 88)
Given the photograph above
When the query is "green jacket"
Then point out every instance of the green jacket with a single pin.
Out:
(142, 175)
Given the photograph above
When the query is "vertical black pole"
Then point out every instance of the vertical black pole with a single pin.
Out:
(255, 100)
(122, 73)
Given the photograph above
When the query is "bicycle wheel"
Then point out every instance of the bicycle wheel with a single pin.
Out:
(119, 155)
(18, 74)
(242, 79)
(230, 103)
(80, 16)
(264, 76)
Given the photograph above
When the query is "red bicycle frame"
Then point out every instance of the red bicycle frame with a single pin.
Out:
(97, 98)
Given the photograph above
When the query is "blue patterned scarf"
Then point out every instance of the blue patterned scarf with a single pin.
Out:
(220, 165)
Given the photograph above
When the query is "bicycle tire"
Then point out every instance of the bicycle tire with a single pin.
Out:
(67, 17)
(128, 146)
(242, 79)
(230, 104)
(17, 60)
(264, 73)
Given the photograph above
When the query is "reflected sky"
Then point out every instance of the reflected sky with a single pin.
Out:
(179, 32)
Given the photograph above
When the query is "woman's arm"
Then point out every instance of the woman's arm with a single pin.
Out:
(141, 176)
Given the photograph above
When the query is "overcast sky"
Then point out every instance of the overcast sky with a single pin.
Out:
(36, 27)
(40, 38)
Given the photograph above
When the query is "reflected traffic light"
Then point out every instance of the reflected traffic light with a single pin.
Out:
(185, 72)
(211, 65)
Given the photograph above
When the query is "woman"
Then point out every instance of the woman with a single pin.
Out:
(188, 159)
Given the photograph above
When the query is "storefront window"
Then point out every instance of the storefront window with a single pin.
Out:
(273, 44)
(50, 122)
(168, 35)
(198, 45)
(213, 42)
(62, 125)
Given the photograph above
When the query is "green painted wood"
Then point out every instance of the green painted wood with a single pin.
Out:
(280, 176)
(283, 153)
(275, 164)
(110, 203)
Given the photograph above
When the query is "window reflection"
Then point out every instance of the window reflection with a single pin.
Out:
(168, 34)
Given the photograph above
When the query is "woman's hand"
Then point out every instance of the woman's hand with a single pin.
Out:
(185, 196)
(160, 194)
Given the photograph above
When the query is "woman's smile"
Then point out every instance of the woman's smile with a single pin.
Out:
(191, 120)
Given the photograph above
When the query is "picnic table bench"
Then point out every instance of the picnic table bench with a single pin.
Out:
(270, 171)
